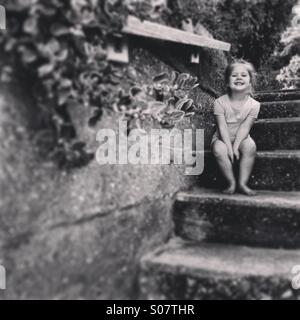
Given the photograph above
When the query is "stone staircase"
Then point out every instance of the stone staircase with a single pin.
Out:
(234, 246)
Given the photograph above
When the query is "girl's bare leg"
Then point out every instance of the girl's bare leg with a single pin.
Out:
(247, 157)
(219, 150)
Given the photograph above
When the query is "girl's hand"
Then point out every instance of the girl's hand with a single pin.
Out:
(230, 153)
(236, 152)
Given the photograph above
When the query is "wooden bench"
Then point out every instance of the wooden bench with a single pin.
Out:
(118, 48)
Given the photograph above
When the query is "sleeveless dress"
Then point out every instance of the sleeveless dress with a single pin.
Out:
(234, 116)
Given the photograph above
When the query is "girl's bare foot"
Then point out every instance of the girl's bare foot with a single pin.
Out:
(246, 190)
(230, 189)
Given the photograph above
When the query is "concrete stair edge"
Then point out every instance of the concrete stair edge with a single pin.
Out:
(183, 270)
(238, 260)
(289, 199)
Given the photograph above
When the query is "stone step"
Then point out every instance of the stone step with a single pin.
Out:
(273, 170)
(269, 219)
(183, 270)
(279, 109)
(277, 134)
(280, 95)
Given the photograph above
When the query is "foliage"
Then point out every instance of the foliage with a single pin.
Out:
(253, 27)
(289, 76)
(60, 47)
(165, 101)
(290, 38)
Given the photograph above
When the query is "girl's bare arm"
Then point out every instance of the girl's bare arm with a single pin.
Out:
(224, 133)
(243, 132)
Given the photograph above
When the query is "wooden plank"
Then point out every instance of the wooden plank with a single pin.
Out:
(117, 50)
(195, 58)
(153, 30)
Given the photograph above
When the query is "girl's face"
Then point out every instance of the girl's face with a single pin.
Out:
(239, 80)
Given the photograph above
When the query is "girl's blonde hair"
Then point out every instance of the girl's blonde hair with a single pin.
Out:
(248, 65)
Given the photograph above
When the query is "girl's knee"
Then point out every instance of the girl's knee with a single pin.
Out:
(219, 149)
(248, 146)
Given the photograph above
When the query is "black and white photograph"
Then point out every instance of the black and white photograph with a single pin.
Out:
(150, 151)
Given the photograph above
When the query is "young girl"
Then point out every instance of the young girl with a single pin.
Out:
(235, 114)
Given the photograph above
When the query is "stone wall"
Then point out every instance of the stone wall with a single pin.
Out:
(80, 234)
